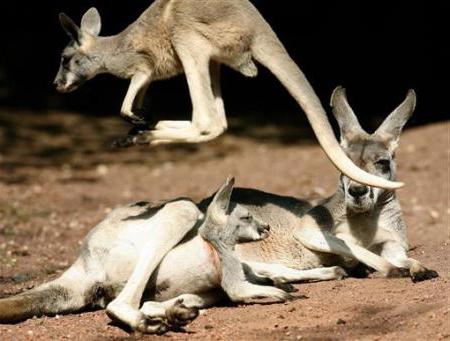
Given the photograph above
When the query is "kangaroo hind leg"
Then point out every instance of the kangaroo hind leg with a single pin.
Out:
(176, 312)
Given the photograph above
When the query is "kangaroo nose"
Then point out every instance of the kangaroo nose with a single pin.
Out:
(358, 191)
(264, 227)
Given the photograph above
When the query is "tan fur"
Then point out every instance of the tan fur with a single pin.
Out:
(195, 37)
(160, 254)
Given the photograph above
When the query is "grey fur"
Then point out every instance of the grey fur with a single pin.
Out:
(342, 230)
(233, 279)
(195, 37)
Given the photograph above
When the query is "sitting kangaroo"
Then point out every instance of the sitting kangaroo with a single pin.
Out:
(134, 239)
(357, 224)
(194, 37)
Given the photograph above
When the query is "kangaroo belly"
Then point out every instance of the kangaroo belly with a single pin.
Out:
(284, 251)
(189, 268)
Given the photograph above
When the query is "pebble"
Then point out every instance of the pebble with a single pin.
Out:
(434, 214)
(102, 170)
(340, 321)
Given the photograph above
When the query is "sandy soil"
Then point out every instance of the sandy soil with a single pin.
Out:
(58, 178)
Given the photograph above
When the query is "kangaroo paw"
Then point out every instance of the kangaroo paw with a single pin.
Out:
(180, 315)
(152, 326)
(423, 275)
(285, 286)
(123, 142)
(134, 119)
(339, 272)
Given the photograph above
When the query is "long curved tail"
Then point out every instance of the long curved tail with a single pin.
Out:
(60, 296)
(270, 52)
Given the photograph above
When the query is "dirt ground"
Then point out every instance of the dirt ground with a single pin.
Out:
(59, 177)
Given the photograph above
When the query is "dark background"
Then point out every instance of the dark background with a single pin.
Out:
(376, 49)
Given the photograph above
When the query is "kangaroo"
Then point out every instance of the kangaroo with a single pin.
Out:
(195, 37)
(357, 224)
(165, 241)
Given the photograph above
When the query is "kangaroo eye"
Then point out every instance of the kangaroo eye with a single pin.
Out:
(383, 164)
(247, 218)
(65, 60)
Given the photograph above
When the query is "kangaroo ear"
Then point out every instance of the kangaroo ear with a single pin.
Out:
(217, 212)
(91, 22)
(346, 118)
(392, 126)
(221, 200)
(70, 27)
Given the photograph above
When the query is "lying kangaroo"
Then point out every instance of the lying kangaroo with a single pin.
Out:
(136, 238)
(357, 224)
(194, 37)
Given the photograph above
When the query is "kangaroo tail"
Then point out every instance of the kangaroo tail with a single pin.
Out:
(57, 297)
(270, 52)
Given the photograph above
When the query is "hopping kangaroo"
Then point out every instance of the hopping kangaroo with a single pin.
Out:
(119, 255)
(194, 37)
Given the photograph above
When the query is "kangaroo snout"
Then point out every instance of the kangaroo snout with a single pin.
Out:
(358, 191)
(60, 87)
(66, 87)
(264, 228)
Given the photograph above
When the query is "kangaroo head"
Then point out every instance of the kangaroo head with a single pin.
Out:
(81, 60)
(230, 225)
(374, 153)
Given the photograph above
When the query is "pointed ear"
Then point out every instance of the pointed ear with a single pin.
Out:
(392, 126)
(221, 200)
(91, 22)
(346, 118)
(70, 27)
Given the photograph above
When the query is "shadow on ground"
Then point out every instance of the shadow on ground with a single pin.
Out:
(54, 139)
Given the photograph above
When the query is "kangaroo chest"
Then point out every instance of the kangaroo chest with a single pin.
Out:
(365, 232)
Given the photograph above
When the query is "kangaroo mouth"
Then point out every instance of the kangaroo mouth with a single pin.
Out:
(70, 87)
(360, 205)
(63, 89)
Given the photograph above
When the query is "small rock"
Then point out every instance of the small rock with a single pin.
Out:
(434, 214)
(102, 170)
(20, 278)
(208, 326)
(340, 321)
